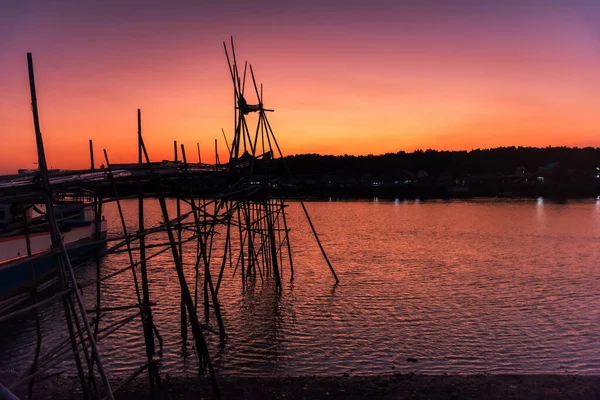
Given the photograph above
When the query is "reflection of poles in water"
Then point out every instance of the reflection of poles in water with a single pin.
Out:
(260, 312)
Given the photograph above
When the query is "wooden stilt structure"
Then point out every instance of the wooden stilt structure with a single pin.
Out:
(226, 220)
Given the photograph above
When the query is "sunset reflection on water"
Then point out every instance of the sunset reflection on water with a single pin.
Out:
(463, 286)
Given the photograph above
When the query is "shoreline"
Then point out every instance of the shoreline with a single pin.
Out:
(396, 386)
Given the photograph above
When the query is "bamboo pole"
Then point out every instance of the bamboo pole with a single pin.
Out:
(207, 273)
(201, 347)
(147, 318)
(33, 292)
(64, 266)
(273, 246)
(312, 227)
(91, 154)
(287, 239)
(183, 319)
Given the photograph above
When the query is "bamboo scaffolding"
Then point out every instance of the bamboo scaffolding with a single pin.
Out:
(225, 216)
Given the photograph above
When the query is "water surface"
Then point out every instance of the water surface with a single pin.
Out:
(463, 286)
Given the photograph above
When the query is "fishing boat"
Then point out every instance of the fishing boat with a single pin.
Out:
(26, 255)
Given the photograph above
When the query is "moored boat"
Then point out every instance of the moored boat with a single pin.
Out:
(26, 255)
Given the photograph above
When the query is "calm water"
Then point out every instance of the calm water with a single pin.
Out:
(465, 287)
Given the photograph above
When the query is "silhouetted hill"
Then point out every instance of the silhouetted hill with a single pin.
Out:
(557, 172)
(498, 160)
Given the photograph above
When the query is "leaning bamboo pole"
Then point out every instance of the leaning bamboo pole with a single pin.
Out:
(64, 265)
(154, 379)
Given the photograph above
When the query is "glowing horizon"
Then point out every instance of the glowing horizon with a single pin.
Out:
(344, 77)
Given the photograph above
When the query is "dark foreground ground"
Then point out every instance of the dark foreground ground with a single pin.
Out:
(398, 386)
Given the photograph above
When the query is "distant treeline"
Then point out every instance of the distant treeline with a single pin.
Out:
(503, 160)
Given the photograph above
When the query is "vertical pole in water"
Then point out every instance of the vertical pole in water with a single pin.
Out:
(180, 249)
(97, 238)
(275, 206)
(270, 131)
(204, 247)
(207, 274)
(248, 212)
(125, 230)
(226, 248)
(197, 264)
(153, 376)
(97, 234)
(287, 239)
(38, 328)
(238, 206)
(201, 347)
(208, 286)
(272, 244)
(64, 264)
(251, 270)
(148, 337)
(265, 237)
(196, 329)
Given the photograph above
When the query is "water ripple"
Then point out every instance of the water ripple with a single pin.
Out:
(465, 287)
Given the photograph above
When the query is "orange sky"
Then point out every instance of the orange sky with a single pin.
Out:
(364, 78)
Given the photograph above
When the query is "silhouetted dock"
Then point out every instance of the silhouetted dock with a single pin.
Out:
(232, 198)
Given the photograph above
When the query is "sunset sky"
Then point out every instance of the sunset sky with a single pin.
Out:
(352, 77)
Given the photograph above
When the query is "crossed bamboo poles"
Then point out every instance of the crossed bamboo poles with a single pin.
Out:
(255, 246)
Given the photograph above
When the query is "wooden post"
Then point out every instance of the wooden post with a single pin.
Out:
(91, 154)
(207, 273)
(241, 242)
(124, 227)
(272, 245)
(64, 264)
(287, 239)
(269, 130)
(183, 320)
(217, 161)
(201, 347)
(147, 319)
(33, 289)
